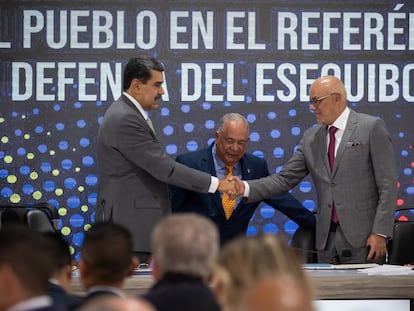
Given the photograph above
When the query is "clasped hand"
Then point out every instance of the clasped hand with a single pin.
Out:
(233, 186)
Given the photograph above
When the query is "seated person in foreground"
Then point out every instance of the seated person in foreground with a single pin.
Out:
(25, 266)
(60, 280)
(185, 248)
(259, 273)
(106, 260)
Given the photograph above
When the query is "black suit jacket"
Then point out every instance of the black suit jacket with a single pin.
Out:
(179, 292)
(61, 297)
(210, 205)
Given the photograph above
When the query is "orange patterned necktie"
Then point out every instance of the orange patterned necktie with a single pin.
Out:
(228, 203)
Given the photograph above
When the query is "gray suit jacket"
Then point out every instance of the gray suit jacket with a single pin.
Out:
(363, 183)
(134, 171)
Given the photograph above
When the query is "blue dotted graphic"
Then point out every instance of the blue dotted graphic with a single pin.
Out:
(48, 147)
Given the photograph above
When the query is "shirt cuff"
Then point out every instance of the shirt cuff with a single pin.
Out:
(246, 189)
(380, 234)
(213, 185)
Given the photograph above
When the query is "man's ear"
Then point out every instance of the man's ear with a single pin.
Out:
(155, 271)
(133, 265)
(136, 83)
(83, 267)
(68, 271)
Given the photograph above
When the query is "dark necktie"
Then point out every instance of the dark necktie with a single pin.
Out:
(331, 156)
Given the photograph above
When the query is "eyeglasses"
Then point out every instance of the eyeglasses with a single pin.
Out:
(316, 101)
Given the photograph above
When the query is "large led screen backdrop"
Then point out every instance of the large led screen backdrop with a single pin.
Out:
(62, 62)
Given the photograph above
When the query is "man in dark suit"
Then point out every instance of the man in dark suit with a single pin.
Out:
(185, 248)
(229, 149)
(134, 169)
(356, 186)
(60, 280)
(25, 266)
(107, 259)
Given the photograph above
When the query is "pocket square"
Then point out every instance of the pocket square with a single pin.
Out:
(350, 144)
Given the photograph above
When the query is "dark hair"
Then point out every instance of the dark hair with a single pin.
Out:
(108, 250)
(59, 249)
(140, 68)
(27, 252)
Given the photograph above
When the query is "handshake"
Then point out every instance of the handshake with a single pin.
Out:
(233, 186)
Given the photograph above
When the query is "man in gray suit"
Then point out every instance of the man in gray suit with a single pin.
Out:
(134, 170)
(356, 197)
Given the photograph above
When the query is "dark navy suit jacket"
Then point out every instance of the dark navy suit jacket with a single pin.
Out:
(210, 204)
(180, 292)
(61, 297)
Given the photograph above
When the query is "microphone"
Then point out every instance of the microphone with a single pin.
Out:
(103, 209)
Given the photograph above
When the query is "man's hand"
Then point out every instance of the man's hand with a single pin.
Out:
(228, 186)
(377, 247)
(239, 183)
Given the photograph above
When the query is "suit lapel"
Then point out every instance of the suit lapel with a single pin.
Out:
(351, 125)
(141, 117)
(321, 147)
(246, 171)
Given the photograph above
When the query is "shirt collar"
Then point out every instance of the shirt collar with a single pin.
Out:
(137, 104)
(340, 122)
(102, 288)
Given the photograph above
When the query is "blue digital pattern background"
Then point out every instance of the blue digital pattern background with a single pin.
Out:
(48, 148)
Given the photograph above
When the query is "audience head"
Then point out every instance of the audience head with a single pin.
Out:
(232, 136)
(327, 99)
(63, 262)
(186, 244)
(24, 267)
(107, 256)
(276, 293)
(245, 261)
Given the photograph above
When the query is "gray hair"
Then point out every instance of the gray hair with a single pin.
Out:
(185, 243)
(232, 116)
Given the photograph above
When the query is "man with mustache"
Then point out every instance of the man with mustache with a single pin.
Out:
(134, 170)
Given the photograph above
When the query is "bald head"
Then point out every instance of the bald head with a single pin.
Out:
(330, 84)
(328, 99)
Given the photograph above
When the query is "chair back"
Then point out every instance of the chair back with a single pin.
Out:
(401, 250)
(38, 220)
(40, 216)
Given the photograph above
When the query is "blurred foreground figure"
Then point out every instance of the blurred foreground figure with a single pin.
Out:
(256, 273)
(25, 266)
(106, 260)
(185, 248)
